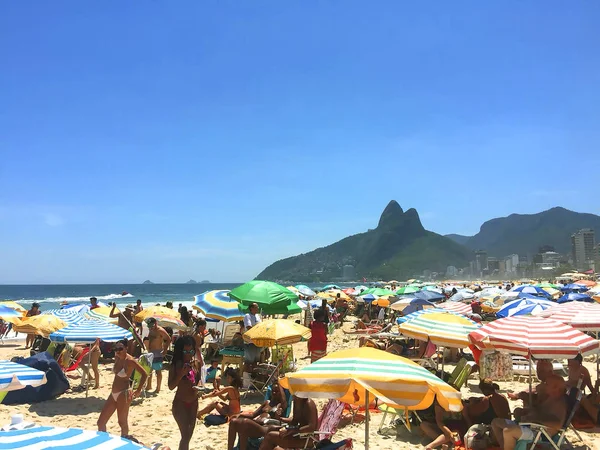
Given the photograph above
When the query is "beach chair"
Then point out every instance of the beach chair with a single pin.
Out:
(541, 432)
(75, 363)
(456, 372)
(463, 376)
(145, 361)
(228, 333)
(402, 414)
(521, 366)
(285, 353)
(264, 376)
(328, 423)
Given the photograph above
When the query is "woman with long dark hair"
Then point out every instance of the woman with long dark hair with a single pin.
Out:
(121, 394)
(231, 393)
(184, 375)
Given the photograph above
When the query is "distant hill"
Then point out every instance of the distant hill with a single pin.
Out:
(147, 282)
(398, 248)
(525, 233)
(191, 282)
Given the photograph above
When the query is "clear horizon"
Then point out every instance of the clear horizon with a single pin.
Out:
(173, 140)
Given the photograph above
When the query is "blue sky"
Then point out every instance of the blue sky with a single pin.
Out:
(201, 140)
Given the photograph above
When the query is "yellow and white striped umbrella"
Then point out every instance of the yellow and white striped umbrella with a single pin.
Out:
(441, 328)
(152, 310)
(347, 375)
(102, 313)
(271, 332)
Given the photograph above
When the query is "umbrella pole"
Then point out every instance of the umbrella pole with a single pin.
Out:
(366, 419)
(530, 382)
(87, 385)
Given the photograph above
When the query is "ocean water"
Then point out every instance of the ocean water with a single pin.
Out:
(52, 296)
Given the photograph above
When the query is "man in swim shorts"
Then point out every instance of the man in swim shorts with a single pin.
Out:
(158, 344)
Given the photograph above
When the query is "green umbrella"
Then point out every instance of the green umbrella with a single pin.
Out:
(408, 290)
(548, 285)
(330, 286)
(379, 292)
(263, 293)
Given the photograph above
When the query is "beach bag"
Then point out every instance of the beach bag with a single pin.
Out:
(214, 420)
(477, 438)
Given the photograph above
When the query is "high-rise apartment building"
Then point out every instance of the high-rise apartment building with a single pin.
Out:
(582, 247)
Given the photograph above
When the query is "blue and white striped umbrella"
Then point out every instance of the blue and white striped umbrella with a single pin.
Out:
(67, 315)
(14, 376)
(530, 289)
(524, 306)
(7, 313)
(87, 331)
(218, 305)
(40, 438)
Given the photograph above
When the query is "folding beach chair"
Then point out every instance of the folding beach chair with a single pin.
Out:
(329, 421)
(75, 363)
(463, 376)
(283, 353)
(541, 432)
(456, 372)
(264, 375)
(145, 361)
(402, 414)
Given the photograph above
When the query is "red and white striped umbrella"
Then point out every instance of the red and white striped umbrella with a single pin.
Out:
(580, 315)
(457, 307)
(533, 335)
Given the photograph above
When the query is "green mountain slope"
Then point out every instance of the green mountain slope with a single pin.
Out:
(398, 248)
(525, 233)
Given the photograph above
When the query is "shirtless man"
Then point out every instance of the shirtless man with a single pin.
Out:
(550, 412)
(543, 370)
(304, 420)
(125, 321)
(158, 344)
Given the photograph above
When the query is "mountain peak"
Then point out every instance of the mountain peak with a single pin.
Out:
(391, 214)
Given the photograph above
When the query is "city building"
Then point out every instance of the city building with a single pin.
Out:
(451, 272)
(510, 264)
(582, 248)
(481, 262)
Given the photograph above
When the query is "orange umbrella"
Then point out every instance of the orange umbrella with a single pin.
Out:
(588, 283)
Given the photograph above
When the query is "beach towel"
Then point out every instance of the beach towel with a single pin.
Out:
(215, 419)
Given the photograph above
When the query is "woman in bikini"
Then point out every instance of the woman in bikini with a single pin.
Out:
(230, 392)
(184, 374)
(121, 394)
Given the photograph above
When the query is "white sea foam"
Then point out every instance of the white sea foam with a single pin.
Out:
(80, 299)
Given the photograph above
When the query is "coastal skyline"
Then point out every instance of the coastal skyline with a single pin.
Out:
(208, 141)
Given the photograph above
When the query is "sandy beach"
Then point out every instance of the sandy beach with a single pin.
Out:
(151, 420)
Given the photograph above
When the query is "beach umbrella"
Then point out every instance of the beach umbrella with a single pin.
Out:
(88, 331)
(9, 315)
(40, 324)
(379, 292)
(305, 290)
(333, 294)
(530, 289)
(281, 308)
(381, 301)
(101, 313)
(548, 285)
(66, 315)
(263, 293)
(357, 375)
(13, 305)
(575, 297)
(218, 305)
(534, 336)
(360, 288)
(462, 295)
(14, 376)
(151, 311)
(271, 332)
(581, 316)
(524, 306)
(407, 290)
(457, 307)
(410, 304)
(80, 307)
(368, 298)
(430, 296)
(41, 437)
(574, 287)
(442, 328)
(489, 293)
(170, 321)
(432, 288)
(587, 283)
(330, 286)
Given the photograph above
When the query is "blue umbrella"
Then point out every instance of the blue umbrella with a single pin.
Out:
(69, 316)
(14, 376)
(430, 296)
(6, 312)
(530, 289)
(575, 297)
(574, 287)
(218, 305)
(64, 438)
(88, 331)
(523, 306)
(305, 290)
(369, 298)
(410, 305)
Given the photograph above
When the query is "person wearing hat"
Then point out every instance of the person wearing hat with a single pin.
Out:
(158, 344)
(124, 318)
(34, 311)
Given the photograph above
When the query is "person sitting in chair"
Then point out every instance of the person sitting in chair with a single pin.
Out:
(550, 412)
(485, 409)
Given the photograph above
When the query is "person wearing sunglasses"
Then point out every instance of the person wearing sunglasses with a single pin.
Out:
(184, 374)
(121, 395)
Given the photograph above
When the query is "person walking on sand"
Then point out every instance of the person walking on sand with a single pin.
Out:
(121, 394)
(317, 344)
(34, 311)
(184, 375)
(158, 344)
